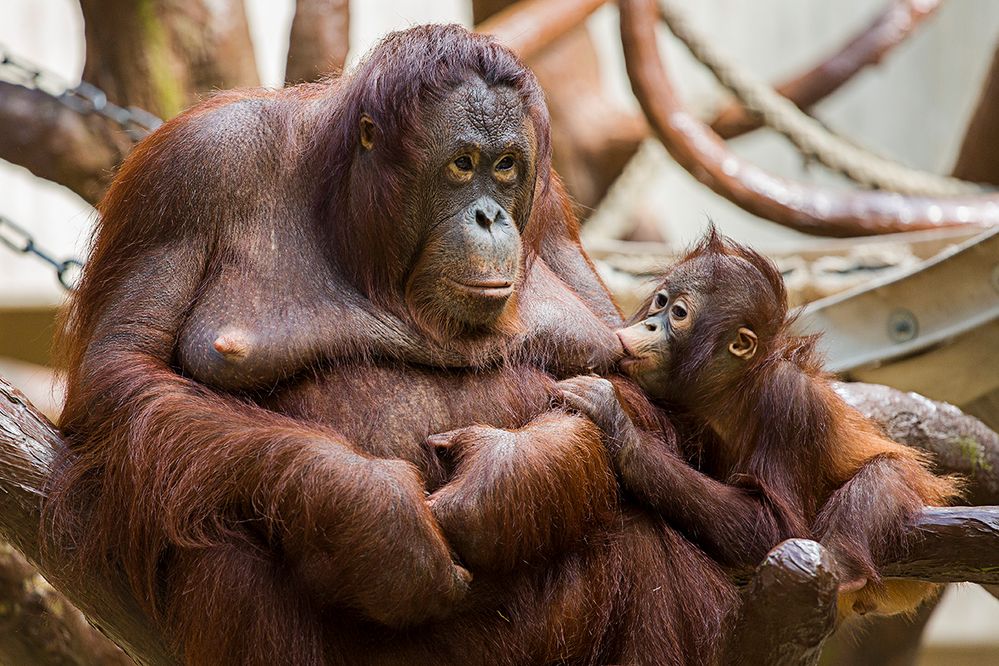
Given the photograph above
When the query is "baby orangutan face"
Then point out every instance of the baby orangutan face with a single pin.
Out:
(693, 339)
(649, 344)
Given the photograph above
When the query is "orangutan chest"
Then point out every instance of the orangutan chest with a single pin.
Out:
(390, 411)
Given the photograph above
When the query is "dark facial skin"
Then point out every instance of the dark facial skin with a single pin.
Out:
(693, 330)
(473, 198)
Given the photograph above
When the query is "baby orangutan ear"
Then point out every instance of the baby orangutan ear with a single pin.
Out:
(744, 345)
(367, 126)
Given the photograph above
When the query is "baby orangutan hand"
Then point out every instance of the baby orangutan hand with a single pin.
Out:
(596, 398)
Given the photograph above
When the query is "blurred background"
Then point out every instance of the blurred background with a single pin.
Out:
(913, 104)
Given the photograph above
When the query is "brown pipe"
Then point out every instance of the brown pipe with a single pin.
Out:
(529, 26)
(889, 29)
(792, 203)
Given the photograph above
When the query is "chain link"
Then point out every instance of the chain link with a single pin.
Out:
(83, 98)
(18, 239)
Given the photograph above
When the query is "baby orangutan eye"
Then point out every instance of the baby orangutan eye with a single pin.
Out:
(463, 163)
(678, 311)
(505, 163)
(660, 300)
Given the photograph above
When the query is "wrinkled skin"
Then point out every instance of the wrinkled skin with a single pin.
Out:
(475, 194)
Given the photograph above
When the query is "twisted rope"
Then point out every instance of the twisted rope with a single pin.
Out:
(806, 133)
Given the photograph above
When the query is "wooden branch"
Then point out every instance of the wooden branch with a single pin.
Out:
(951, 545)
(795, 204)
(789, 608)
(889, 29)
(28, 447)
(959, 443)
(39, 626)
(320, 39)
(42, 134)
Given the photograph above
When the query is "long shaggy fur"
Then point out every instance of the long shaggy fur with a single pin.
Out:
(812, 466)
(291, 525)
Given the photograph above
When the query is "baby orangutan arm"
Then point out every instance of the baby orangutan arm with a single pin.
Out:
(733, 523)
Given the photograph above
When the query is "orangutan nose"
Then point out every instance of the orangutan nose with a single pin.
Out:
(488, 212)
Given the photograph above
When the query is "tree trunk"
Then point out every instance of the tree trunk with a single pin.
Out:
(320, 39)
(160, 55)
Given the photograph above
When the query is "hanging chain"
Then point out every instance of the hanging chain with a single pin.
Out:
(83, 98)
(19, 240)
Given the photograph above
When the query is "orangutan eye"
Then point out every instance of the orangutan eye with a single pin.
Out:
(505, 163)
(660, 301)
(678, 311)
(464, 163)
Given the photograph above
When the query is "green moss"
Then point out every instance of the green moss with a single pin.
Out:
(166, 89)
(971, 450)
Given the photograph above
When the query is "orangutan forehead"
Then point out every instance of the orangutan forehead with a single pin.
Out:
(478, 113)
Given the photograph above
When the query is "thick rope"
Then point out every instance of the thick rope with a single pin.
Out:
(806, 133)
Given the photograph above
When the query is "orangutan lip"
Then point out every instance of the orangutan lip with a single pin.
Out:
(628, 361)
(488, 288)
(628, 353)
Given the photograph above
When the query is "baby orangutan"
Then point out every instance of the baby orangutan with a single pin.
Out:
(796, 461)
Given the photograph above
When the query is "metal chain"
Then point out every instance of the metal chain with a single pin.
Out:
(19, 240)
(83, 98)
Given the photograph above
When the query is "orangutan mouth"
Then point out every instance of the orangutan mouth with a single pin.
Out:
(487, 288)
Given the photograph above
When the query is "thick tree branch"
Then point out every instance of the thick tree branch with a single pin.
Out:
(28, 446)
(789, 608)
(42, 134)
(320, 39)
(959, 443)
(952, 545)
(39, 626)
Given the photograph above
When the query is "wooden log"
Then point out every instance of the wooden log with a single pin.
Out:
(29, 444)
(789, 608)
(792, 203)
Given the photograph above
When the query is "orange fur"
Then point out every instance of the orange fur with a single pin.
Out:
(798, 461)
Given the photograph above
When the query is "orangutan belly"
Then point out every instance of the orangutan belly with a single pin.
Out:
(389, 411)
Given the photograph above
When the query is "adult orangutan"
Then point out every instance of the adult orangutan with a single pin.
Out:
(288, 294)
